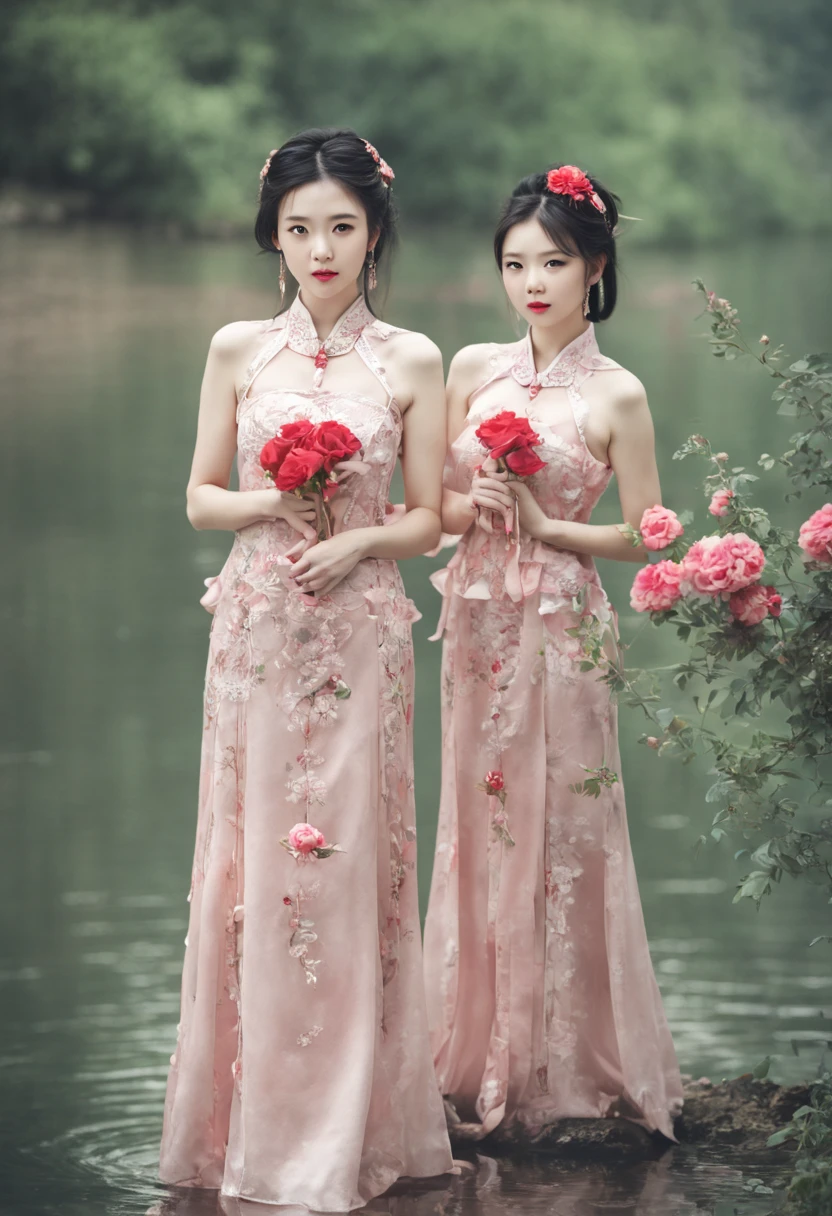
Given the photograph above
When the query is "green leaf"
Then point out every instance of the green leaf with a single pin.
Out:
(761, 1070)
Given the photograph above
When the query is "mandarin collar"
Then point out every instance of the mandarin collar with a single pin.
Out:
(581, 353)
(302, 337)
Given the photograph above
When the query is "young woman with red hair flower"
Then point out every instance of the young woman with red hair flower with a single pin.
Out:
(541, 995)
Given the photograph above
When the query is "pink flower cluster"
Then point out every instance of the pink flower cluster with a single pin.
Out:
(815, 538)
(719, 502)
(753, 604)
(720, 567)
(657, 588)
(659, 528)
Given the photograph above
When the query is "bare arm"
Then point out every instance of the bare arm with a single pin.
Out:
(633, 459)
(419, 364)
(210, 504)
(467, 370)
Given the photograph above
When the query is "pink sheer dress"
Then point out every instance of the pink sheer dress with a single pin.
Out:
(542, 1000)
(302, 1073)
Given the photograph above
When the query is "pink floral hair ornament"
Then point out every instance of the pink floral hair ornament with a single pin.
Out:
(574, 183)
(264, 172)
(384, 169)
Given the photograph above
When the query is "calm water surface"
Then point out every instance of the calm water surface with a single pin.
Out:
(104, 337)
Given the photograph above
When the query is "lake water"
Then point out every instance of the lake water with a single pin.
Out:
(104, 337)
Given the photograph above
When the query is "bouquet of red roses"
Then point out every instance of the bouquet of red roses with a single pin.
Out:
(302, 457)
(510, 441)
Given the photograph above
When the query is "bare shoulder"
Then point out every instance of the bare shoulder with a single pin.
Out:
(413, 352)
(236, 339)
(470, 366)
(624, 391)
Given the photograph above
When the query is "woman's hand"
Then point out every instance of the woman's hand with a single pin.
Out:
(489, 492)
(533, 519)
(299, 513)
(324, 565)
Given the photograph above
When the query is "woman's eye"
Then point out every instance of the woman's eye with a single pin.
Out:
(297, 228)
(513, 266)
(555, 262)
(343, 227)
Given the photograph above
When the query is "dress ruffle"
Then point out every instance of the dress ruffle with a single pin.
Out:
(478, 572)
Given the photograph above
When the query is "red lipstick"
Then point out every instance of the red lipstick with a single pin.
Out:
(538, 306)
(324, 276)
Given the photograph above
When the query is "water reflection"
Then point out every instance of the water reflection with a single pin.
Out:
(102, 353)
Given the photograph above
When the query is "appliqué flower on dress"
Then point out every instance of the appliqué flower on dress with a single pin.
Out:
(304, 842)
(493, 784)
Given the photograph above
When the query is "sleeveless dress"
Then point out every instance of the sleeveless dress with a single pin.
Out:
(302, 1073)
(541, 995)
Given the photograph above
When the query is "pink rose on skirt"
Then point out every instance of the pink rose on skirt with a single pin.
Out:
(659, 527)
(719, 503)
(753, 604)
(656, 588)
(305, 838)
(815, 537)
(718, 564)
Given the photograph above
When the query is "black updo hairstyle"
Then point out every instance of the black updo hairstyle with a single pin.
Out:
(575, 227)
(328, 152)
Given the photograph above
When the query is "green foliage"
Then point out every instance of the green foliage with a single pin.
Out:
(597, 779)
(810, 1128)
(169, 109)
(124, 110)
(771, 785)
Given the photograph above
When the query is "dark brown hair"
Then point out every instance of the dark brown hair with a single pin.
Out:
(328, 152)
(575, 227)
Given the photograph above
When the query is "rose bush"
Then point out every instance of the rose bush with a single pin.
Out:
(758, 654)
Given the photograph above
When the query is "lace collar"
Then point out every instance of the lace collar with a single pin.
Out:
(302, 337)
(581, 354)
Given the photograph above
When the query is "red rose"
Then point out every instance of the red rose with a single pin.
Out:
(297, 468)
(505, 432)
(334, 441)
(290, 435)
(524, 462)
(494, 781)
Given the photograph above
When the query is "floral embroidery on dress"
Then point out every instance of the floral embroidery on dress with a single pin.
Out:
(302, 931)
(307, 1036)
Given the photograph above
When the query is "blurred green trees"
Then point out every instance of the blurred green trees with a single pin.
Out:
(159, 110)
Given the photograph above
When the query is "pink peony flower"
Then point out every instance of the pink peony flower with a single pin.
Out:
(718, 564)
(719, 502)
(816, 535)
(659, 527)
(305, 838)
(753, 604)
(656, 588)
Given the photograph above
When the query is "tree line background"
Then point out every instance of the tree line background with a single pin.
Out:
(711, 118)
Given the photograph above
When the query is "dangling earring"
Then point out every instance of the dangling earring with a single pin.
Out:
(372, 282)
(282, 279)
(600, 295)
(586, 303)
